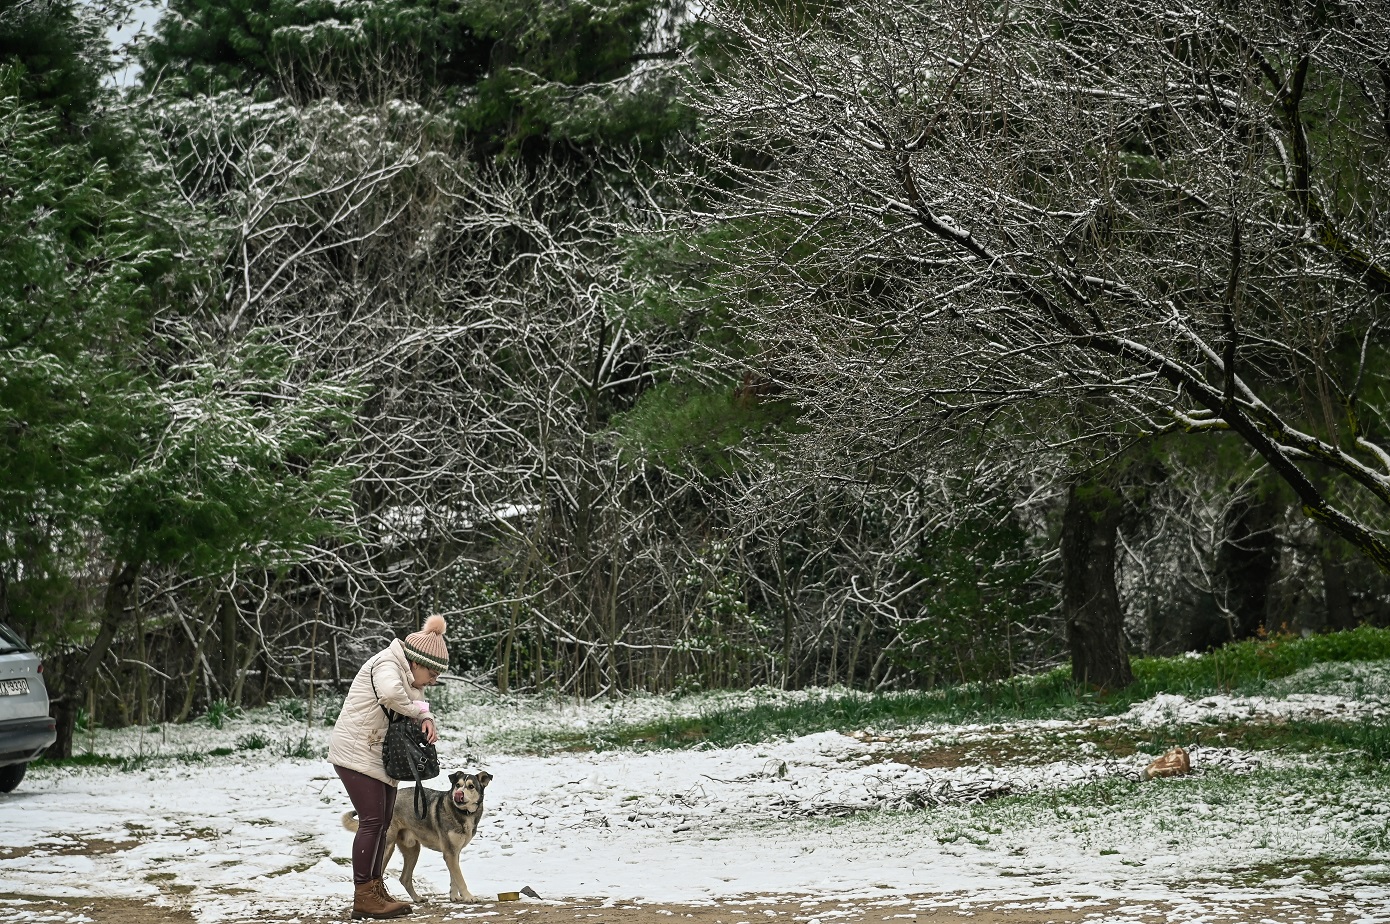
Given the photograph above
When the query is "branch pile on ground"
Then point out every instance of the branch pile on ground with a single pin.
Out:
(934, 795)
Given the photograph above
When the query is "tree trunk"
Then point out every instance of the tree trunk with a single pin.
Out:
(142, 675)
(1336, 595)
(504, 663)
(65, 722)
(779, 558)
(1249, 563)
(229, 617)
(1090, 601)
(76, 675)
(237, 693)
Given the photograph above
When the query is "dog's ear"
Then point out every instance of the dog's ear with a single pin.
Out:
(483, 779)
(455, 777)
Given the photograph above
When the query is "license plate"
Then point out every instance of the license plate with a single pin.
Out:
(14, 687)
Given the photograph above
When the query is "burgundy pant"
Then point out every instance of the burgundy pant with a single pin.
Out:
(375, 802)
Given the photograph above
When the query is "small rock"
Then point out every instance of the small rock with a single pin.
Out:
(1174, 762)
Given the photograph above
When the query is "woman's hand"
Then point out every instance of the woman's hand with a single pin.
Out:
(427, 726)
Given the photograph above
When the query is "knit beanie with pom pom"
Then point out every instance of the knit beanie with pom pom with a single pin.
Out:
(426, 647)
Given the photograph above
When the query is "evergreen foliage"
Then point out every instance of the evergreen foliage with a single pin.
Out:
(226, 462)
(53, 50)
(130, 438)
(703, 427)
(173, 450)
(519, 77)
(78, 265)
(980, 587)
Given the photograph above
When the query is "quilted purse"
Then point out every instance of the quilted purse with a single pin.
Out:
(405, 753)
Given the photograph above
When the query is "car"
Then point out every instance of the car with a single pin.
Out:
(26, 729)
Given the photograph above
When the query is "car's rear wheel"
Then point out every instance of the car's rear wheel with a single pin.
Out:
(11, 775)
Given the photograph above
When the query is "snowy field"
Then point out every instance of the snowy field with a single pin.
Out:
(255, 834)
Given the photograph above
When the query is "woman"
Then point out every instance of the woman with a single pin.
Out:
(395, 679)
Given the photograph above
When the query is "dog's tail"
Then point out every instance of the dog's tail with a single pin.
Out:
(350, 821)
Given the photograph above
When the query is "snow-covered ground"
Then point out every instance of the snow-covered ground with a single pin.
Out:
(821, 815)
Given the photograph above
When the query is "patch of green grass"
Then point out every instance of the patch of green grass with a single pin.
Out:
(220, 711)
(92, 760)
(1370, 738)
(293, 708)
(1247, 666)
(1341, 794)
(289, 747)
(1342, 805)
(300, 747)
(834, 710)
(1313, 871)
(1238, 667)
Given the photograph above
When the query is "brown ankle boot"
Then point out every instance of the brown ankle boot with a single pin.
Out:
(387, 897)
(369, 901)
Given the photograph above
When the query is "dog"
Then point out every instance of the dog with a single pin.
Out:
(451, 820)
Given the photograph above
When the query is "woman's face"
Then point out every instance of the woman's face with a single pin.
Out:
(422, 676)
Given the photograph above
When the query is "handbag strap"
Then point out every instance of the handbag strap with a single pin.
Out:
(371, 676)
(410, 756)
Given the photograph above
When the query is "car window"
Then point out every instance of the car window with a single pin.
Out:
(9, 642)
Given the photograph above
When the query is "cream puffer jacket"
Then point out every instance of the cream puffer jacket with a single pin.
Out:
(361, 725)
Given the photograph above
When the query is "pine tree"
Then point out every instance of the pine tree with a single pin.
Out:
(129, 438)
(519, 77)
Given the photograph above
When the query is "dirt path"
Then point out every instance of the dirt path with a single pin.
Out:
(900, 910)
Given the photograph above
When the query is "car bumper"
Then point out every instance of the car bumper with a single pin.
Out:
(22, 740)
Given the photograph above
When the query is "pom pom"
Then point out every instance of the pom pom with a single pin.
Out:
(435, 625)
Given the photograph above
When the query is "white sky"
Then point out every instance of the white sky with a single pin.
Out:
(144, 17)
(253, 830)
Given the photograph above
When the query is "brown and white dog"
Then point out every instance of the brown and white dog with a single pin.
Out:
(450, 821)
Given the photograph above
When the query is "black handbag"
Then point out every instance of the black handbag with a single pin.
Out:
(405, 754)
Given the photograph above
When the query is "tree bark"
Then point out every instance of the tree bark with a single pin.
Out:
(229, 617)
(1249, 563)
(1335, 592)
(1090, 600)
(77, 675)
